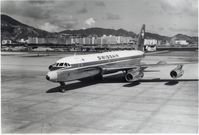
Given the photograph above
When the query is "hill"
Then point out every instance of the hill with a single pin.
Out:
(189, 39)
(99, 32)
(156, 36)
(13, 29)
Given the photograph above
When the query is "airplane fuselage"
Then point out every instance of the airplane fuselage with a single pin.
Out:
(83, 66)
(79, 67)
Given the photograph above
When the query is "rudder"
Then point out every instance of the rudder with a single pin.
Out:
(140, 41)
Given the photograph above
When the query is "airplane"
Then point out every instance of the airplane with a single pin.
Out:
(79, 67)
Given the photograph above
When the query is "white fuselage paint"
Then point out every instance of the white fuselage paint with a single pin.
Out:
(83, 66)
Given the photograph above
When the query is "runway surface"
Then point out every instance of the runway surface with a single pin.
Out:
(157, 104)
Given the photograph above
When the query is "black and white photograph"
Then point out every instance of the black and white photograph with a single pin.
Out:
(99, 66)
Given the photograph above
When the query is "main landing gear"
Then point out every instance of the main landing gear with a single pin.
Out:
(62, 87)
(98, 77)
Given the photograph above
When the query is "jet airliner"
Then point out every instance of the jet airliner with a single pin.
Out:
(79, 67)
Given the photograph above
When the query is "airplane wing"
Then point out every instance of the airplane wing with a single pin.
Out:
(164, 63)
(144, 66)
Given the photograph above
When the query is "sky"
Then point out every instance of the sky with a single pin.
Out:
(165, 17)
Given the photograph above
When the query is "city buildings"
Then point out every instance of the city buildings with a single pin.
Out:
(3, 42)
(181, 42)
(150, 44)
(90, 40)
(38, 40)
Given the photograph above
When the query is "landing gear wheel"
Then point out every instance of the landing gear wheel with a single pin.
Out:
(63, 90)
(62, 87)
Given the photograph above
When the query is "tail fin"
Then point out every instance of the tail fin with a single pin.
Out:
(140, 41)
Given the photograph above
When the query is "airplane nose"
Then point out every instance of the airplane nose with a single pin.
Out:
(51, 76)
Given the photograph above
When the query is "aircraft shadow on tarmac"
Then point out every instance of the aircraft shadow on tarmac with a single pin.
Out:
(118, 78)
(73, 86)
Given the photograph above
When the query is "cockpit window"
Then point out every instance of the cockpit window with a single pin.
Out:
(67, 64)
(62, 64)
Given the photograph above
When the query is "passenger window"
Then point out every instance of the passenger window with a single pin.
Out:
(61, 64)
(66, 64)
(57, 64)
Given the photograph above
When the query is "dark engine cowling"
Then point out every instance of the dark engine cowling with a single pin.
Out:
(132, 76)
(177, 72)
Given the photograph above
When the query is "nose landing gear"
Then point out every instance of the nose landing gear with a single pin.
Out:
(62, 87)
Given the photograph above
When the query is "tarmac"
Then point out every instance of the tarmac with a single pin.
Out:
(155, 104)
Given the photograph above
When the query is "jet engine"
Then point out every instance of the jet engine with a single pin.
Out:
(177, 72)
(133, 75)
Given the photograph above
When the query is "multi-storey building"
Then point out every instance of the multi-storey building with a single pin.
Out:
(150, 42)
(3, 42)
(181, 42)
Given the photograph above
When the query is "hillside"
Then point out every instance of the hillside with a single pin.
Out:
(184, 37)
(99, 32)
(156, 36)
(13, 29)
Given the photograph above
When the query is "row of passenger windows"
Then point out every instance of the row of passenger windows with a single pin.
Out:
(63, 65)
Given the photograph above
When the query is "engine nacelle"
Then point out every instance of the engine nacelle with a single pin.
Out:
(177, 72)
(132, 76)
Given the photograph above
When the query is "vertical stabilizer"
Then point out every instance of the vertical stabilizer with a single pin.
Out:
(140, 41)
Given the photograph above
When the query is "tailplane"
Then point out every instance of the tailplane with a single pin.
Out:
(140, 41)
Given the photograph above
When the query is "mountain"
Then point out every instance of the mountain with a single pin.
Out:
(99, 32)
(189, 39)
(13, 29)
(8, 21)
(156, 36)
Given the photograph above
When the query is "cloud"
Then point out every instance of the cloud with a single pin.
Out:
(70, 14)
(113, 16)
(70, 26)
(50, 27)
(82, 10)
(64, 22)
(100, 3)
(90, 22)
(160, 28)
(39, 2)
(184, 30)
(180, 7)
(43, 13)
(25, 9)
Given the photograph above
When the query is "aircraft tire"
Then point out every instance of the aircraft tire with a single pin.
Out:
(63, 90)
